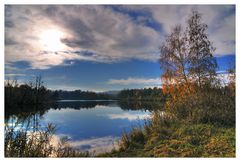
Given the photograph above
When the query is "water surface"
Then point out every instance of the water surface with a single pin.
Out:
(94, 126)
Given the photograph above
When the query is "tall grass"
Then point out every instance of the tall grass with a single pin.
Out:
(23, 143)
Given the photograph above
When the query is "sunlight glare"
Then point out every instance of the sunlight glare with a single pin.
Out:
(51, 40)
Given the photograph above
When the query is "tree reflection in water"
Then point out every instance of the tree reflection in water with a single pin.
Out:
(29, 115)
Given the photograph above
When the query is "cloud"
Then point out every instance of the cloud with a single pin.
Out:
(107, 35)
(14, 75)
(128, 116)
(97, 144)
(219, 18)
(104, 34)
(65, 87)
(133, 80)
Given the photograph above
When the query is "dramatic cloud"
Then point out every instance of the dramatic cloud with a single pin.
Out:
(132, 80)
(103, 33)
(219, 18)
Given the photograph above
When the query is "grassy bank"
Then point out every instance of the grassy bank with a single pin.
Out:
(174, 140)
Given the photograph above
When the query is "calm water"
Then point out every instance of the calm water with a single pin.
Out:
(93, 126)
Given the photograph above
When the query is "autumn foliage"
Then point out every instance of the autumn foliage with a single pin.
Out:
(190, 77)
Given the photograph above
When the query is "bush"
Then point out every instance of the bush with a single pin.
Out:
(207, 105)
(134, 139)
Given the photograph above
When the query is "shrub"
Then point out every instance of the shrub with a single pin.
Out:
(208, 105)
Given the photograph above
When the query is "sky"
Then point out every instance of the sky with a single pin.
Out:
(103, 47)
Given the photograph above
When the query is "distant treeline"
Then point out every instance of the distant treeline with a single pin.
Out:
(146, 94)
(81, 95)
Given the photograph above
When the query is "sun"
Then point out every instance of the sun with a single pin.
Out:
(51, 40)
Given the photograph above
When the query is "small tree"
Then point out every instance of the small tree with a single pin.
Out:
(187, 56)
(202, 63)
(174, 59)
(189, 72)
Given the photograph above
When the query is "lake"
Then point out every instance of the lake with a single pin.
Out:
(94, 126)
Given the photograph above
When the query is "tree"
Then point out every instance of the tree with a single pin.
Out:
(174, 58)
(189, 76)
(187, 56)
(202, 63)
